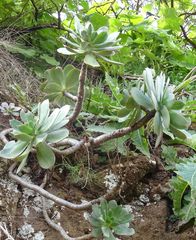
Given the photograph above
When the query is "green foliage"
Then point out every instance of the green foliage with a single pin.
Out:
(36, 132)
(190, 109)
(184, 190)
(19, 48)
(108, 219)
(117, 106)
(156, 94)
(150, 34)
(59, 82)
(169, 153)
(79, 173)
(140, 141)
(90, 43)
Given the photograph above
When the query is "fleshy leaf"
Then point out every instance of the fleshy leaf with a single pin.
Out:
(13, 149)
(45, 156)
(141, 99)
(58, 135)
(124, 230)
(91, 60)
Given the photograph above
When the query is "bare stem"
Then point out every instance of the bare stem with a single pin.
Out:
(66, 141)
(58, 227)
(187, 38)
(3, 135)
(60, 201)
(4, 229)
(69, 150)
(80, 95)
(70, 96)
(123, 131)
(55, 226)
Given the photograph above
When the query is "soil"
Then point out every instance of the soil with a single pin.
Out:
(147, 200)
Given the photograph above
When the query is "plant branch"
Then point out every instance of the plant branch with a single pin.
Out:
(58, 12)
(58, 227)
(4, 229)
(36, 10)
(3, 135)
(80, 95)
(54, 198)
(70, 96)
(66, 141)
(187, 38)
(123, 131)
(17, 32)
(55, 226)
(70, 150)
(187, 14)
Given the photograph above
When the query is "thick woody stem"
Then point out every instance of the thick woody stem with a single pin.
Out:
(80, 95)
(123, 131)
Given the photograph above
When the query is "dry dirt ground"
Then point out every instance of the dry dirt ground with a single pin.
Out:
(21, 210)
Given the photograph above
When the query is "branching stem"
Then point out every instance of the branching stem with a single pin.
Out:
(54, 198)
(69, 150)
(123, 131)
(58, 227)
(3, 135)
(70, 96)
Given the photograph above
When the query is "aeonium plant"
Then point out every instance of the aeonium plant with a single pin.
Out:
(61, 84)
(156, 94)
(109, 219)
(91, 43)
(37, 131)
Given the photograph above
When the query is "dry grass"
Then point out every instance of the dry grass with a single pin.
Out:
(12, 71)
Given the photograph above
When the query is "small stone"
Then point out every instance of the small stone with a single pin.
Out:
(26, 231)
(86, 216)
(129, 208)
(26, 212)
(156, 197)
(111, 180)
(138, 203)
(143, 198)
(38, 236)
(153, 162)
